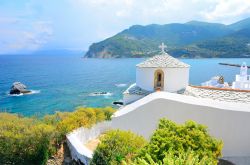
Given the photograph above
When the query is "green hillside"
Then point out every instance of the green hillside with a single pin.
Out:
(190, 40)
(236, 44)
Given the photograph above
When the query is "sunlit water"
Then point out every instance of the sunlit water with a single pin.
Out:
(61, 83)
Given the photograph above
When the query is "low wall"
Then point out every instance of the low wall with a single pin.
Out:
(129, 98)
(225, 120)
(77, 139)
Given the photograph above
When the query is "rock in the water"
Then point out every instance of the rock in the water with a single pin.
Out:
(18, 88)
(118, 103)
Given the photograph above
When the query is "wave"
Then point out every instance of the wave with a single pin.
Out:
(16, 95)
(21, 94)
(101, 94)
(121, 85)
(34, 91)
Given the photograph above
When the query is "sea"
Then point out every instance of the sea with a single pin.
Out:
(65, 82)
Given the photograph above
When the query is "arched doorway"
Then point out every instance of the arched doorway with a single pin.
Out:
(159, 80)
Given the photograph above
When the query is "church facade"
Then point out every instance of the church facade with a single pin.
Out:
(162, 72)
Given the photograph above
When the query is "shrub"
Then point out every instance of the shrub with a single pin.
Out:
(23, 140)
(176, 139)
(82, 117)
(108, 112)
(30, 141)
(186, 158)
(117, 145)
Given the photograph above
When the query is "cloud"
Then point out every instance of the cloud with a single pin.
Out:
(166, 11)
(108, 17)
(228, 10)
(28, 25)
(8, 20)
(15, 40)
(148, 11)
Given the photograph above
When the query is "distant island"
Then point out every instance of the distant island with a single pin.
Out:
(189, 40)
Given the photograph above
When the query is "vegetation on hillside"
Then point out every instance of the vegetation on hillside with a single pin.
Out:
(170, 144)
(31, 141)
(190, 40)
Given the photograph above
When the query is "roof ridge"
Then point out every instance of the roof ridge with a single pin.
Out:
(163, 60)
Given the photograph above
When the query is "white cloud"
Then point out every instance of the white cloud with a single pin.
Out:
(147, 11)
(108, 17)
(8, 20)
(78, 23)
(166, 11)
(20, 39)
(228, 10)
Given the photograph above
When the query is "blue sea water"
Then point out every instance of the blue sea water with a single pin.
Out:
(61, 83)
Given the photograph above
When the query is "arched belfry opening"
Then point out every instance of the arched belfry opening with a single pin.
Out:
(159, 80)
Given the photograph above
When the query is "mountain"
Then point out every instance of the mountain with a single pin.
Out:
(192, 39)
(240, 24)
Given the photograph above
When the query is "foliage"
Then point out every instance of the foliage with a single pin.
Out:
(117, 145)
(23, 140)
(171, 144)
(32, 140)
(83, 117)
(185, 158)
(176, 139)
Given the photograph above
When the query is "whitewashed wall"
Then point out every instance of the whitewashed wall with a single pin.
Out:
(145, 78)
(227, 121)
(174, 78)
(129, 98)
(77, 139)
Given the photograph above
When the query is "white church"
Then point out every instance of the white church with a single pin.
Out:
(242, 80)
(162, 90)
(159, 73)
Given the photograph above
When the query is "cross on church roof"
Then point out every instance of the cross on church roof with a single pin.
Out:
(162, 47)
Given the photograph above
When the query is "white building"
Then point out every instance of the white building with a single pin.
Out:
(160, 73)
(225, 111)
(228, 121)
(242, 80)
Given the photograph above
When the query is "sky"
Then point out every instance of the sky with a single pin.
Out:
(31, 25)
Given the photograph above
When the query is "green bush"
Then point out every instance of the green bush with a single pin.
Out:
(117, 145)
(186, 158)
(24, 140)
(33, 140)
(176, 139)
(82, 117)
